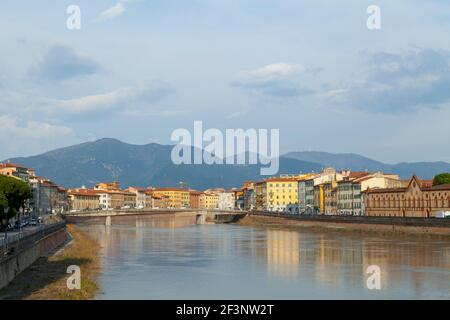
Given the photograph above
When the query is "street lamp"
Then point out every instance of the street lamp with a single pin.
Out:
(6, 210)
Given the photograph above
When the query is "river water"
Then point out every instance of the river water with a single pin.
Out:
(173, 258)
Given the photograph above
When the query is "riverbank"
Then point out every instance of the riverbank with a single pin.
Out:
(376, 229)
(46, 278)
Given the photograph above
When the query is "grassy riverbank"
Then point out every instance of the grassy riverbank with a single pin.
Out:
(374, 229)
(46, 278)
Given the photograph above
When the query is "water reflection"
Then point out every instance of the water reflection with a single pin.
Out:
(173, 258)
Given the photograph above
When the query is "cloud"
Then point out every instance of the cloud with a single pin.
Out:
(30, 137)
(279, 80)
(400, 82)
(126, 100)
(277, 70)
(115, 11)
(31, 129)
(120, 99)
(62, 63)
(112, 12)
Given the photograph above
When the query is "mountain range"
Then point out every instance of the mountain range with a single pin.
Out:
(151, 165)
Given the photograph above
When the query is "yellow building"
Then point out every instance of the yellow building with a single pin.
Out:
(319, 197)
(113, 186)
(281, 193)
(209, 200)
(277, 193)
(330, 190)
(176, 197)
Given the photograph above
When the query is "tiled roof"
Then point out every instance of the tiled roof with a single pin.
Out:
(11, 165)
(169, 189)
(441, 187)
(357, 174)
(83, 192)
(387, 190)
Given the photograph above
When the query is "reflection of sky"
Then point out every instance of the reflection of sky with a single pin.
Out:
(162, 258)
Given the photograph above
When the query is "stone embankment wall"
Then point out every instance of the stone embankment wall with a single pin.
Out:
(30, 248)
(417, 226)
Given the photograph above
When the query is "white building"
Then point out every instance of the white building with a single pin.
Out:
(226, 200)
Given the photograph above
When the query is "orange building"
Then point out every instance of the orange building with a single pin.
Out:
(115, 185)
(194, 199)
(209, 200)
(177, 197)
(418, 199)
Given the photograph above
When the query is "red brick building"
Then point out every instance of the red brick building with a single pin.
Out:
(418, 199)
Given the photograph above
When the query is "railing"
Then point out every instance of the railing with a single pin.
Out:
(405, 221)
(103, 213)
(26, 237)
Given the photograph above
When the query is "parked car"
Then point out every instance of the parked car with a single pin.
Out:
(33, 222)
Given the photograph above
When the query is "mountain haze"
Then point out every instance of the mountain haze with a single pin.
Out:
(151, 165)
(141, 165)
(355, 162)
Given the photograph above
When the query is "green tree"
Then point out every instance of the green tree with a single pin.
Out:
(13, 194)
(443, 178)
(3, 205)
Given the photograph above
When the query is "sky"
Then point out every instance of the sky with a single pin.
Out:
(137, 70)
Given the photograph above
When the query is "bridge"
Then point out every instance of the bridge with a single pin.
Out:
(202, 215)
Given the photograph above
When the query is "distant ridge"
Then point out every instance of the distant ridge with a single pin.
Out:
(150, 165)
(142, 165)
(356, 162)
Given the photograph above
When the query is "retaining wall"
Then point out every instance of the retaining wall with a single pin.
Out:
(29, 249)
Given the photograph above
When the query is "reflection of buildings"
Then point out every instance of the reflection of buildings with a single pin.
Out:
(337, 260)
(330, 262)
(393, 256)
(283, 252)
(133, 232)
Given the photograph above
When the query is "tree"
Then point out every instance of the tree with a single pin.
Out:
(13, 194)
(443, 178)
(3, 205)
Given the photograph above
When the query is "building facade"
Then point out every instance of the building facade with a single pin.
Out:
(194, 199)
(351, 187)
(47, 197)
(418, 199)
(83, 199)
(282, 193)
(330, 193)
(349, 198)
(14, 171)
(110, 200)
(177, 197)
(209, 200)
(306, 196)
(143, 199)
(226, 200)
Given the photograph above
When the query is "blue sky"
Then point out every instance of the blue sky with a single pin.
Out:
(137, 70)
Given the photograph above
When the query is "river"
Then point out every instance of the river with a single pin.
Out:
(173, 258)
